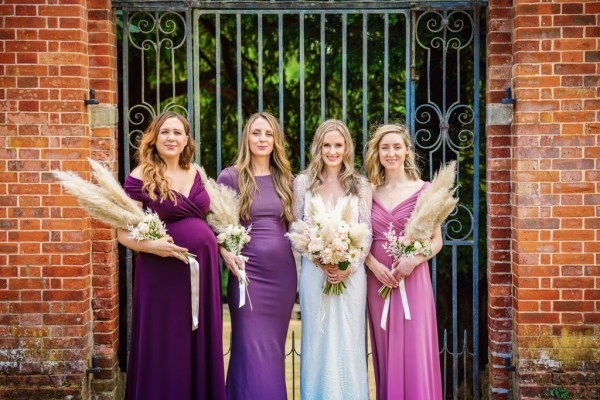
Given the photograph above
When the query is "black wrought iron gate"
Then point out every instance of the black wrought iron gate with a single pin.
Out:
(363, 62)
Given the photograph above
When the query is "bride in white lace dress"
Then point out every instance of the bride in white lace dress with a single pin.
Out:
(333, 361)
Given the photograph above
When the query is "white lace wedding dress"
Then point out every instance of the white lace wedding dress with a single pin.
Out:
(333, 361)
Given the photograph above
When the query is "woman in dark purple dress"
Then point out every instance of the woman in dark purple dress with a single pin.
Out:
(262, 177)
(168, 360)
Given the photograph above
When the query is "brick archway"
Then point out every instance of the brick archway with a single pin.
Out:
(58, 270)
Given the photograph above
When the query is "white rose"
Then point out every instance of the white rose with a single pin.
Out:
(417, 245)
(326, 256)
(337, 243)
(143, 227)
(315, 246)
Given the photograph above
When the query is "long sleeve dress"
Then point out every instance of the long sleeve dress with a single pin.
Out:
(257, 363)
(333, 361)
(405, 355)
(167, 360)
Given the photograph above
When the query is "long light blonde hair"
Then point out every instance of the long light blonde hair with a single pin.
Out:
(281, 170)
(152, 165)
(349, 180)
(376, 171)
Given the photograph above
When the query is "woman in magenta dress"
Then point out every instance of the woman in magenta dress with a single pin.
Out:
(167, 359)
(406, 354)
(262, 177)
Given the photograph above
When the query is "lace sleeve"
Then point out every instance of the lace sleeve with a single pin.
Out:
(365, 201)
(299, 189)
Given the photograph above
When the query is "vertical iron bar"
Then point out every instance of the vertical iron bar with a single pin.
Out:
(281, 76)
(444, 55)
(190, 73)
(157, 63)
(218, 87)
(386, 51)
(238, 57)
(344, 65)
(260, 62)
(434, 277)
(302, 152)
(465, 352)
(293, 366)
(476, 107)
(454, 324)
(323, 92)
(413, 49)
(196, 79)
(365, 77)
(407, 95)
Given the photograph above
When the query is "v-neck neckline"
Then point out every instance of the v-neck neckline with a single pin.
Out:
(391, 211)
(177, 192)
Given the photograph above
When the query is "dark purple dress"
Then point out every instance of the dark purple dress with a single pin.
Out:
(167, 360)
(256, 367)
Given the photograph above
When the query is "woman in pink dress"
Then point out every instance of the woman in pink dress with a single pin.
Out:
(405, 355)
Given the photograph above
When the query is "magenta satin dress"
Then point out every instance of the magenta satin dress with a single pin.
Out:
(167, 360)
(256, 367)
(406, 355)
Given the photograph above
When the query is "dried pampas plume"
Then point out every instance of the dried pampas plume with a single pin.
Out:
(105, 202)
(224, 203)
(115, 192)
(434, 204)
(297, 237)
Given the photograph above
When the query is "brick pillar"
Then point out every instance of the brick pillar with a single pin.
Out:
(103, 145)
(54, 262)
(498, 143)
(555, 197)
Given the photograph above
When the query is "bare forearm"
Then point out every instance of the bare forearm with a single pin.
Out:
(136, 245)
(370, 261)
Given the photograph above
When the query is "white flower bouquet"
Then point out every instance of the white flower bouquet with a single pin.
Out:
(400, 246)
(151, 228)
(224, 219)
(433, 206)
(330, 236)
(234, 238)
(109, 203)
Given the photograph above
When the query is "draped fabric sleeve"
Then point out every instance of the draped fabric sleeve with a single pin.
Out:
(299, 189)
(227, 178)
(365, 202)
(133, 188)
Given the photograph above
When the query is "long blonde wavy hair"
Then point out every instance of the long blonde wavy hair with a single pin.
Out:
(152, 165)
(349, 180)
(281, 170)
(376, 171)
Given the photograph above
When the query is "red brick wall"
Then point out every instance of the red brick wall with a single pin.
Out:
(554, 202)
(52, 53)
(498, 142)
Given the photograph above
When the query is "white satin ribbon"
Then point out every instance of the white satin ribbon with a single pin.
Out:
(242, 286)
(386, 310)
(195, 284)
(404, 299)
(386, 305)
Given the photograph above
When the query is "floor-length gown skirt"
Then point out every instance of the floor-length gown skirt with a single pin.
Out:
(405, 355)
(333, 359)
